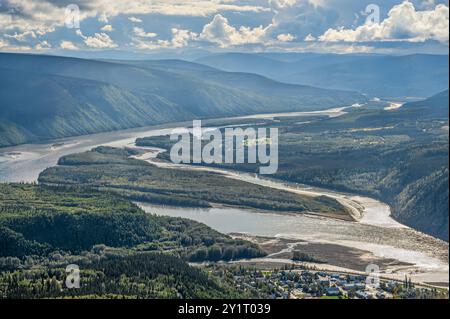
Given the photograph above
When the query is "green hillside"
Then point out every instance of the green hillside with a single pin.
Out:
(122, 251)
(398, 156)
(37, 220)
(110, 169)
(45, 97)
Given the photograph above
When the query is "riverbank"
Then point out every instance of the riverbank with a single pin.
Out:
(338, 258)
(29, 160)
(374, 230)
(402, 250)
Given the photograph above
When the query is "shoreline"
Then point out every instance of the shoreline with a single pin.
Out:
(408, 241)
(360, 209)
(424, 258)
(284, 248)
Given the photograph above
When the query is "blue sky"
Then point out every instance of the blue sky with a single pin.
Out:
(342, 26)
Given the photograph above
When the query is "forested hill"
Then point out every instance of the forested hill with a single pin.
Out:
(122, 252)
(44, 97)
(436, 107)
(416, 75)
(37, 220)
(399, 156)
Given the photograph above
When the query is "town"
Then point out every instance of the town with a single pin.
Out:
(292, 282)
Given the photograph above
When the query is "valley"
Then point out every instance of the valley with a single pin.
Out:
(414, 76)
(224, 158)
(71, 97)
(376, 236)
(385, 154)
(361, 181)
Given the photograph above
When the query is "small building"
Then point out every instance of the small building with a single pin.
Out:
(360, 286)
(362, 295)
(333, 292)
(341, 283)
(349, 287)
(381, 295)
(324, 282)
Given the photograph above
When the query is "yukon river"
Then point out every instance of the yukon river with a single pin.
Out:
(422, 257)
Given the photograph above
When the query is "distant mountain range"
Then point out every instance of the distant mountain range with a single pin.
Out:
(417, 76)
(45, 97)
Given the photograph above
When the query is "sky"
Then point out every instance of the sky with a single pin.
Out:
(147, 26)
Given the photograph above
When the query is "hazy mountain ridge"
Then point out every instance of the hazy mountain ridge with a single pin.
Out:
(45, 97)
(418, 75)
(436, 106)
(56, 106)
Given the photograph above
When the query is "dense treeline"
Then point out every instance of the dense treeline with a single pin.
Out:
(65, 97)
(112, 170)
(122, 251)
(15, 244)
(143, 275)
(398, 156)
(37, 220)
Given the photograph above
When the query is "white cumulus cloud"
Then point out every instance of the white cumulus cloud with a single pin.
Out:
(286, 37)
(180, 39)
(404, 23)
(98, 40)
(107, 28)
(44, 45)
(135, 20)
(3, 43)
(67, 45)
(310, 38)
(219, 31)
(143, 34)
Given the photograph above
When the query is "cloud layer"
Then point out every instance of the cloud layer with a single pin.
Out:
(404, 23)
(292, 25)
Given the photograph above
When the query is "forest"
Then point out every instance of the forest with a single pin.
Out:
(122, 251)
(114, 276)
(111, 170)
(398, 156)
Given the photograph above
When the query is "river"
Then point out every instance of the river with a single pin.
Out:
(24, 163)
(375, 232)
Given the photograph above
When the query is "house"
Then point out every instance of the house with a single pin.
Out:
(341, 283)
(362, 295)
(360, 286)
(381, 295)
(333, 292)
(349, 287)
(391, 285)
(324, 282)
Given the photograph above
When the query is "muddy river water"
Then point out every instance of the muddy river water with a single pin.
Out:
(374, 232)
